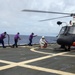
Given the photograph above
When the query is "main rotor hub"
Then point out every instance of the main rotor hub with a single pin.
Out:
(73, 14)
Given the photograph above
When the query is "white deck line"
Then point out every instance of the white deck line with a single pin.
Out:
(13, 64)
(33, 49)
(24, 64)
(47, 70)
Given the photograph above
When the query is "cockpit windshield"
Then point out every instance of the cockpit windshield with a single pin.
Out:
(63, 30)
(72, 30)
(67, 30)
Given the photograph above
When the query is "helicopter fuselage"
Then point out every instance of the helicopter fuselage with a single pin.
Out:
(66, 36)
(66, 40)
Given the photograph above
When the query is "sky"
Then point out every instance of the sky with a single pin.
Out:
(13, 20)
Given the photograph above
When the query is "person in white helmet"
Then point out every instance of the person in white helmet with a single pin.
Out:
(43, 42)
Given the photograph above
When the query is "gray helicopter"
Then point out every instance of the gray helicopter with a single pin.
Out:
(66, 36)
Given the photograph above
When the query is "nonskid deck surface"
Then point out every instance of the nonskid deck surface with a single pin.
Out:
(31, 60)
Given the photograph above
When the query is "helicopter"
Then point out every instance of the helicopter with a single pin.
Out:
(66, 36)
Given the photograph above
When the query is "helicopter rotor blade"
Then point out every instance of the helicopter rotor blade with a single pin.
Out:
(53, 18)
(39, 11)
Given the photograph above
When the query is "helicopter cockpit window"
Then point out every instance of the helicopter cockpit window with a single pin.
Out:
(72, 30)
(63, 30)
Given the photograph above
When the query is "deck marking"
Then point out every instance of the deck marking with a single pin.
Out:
(69, 55)
(47, 70)
(33, 49)
(13, 64)
(6, 62)
(42, 58)
(24, 64)
(8, 66)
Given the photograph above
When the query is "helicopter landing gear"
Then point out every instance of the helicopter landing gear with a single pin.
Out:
(67, 48)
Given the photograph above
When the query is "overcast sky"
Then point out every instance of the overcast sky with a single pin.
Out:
(13, 20)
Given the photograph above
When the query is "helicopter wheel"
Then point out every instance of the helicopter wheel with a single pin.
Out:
(67, 48)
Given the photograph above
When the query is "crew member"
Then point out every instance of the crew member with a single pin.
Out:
(43, 42)
(16, 38)
(30, 38)
(3, 36)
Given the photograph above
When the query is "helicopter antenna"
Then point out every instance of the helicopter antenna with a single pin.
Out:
(53, 18)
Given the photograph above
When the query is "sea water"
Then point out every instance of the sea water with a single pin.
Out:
(25, 39)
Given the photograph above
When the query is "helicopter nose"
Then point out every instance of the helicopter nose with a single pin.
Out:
(64, 41)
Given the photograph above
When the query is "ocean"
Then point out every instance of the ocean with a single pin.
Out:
(25, 39)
